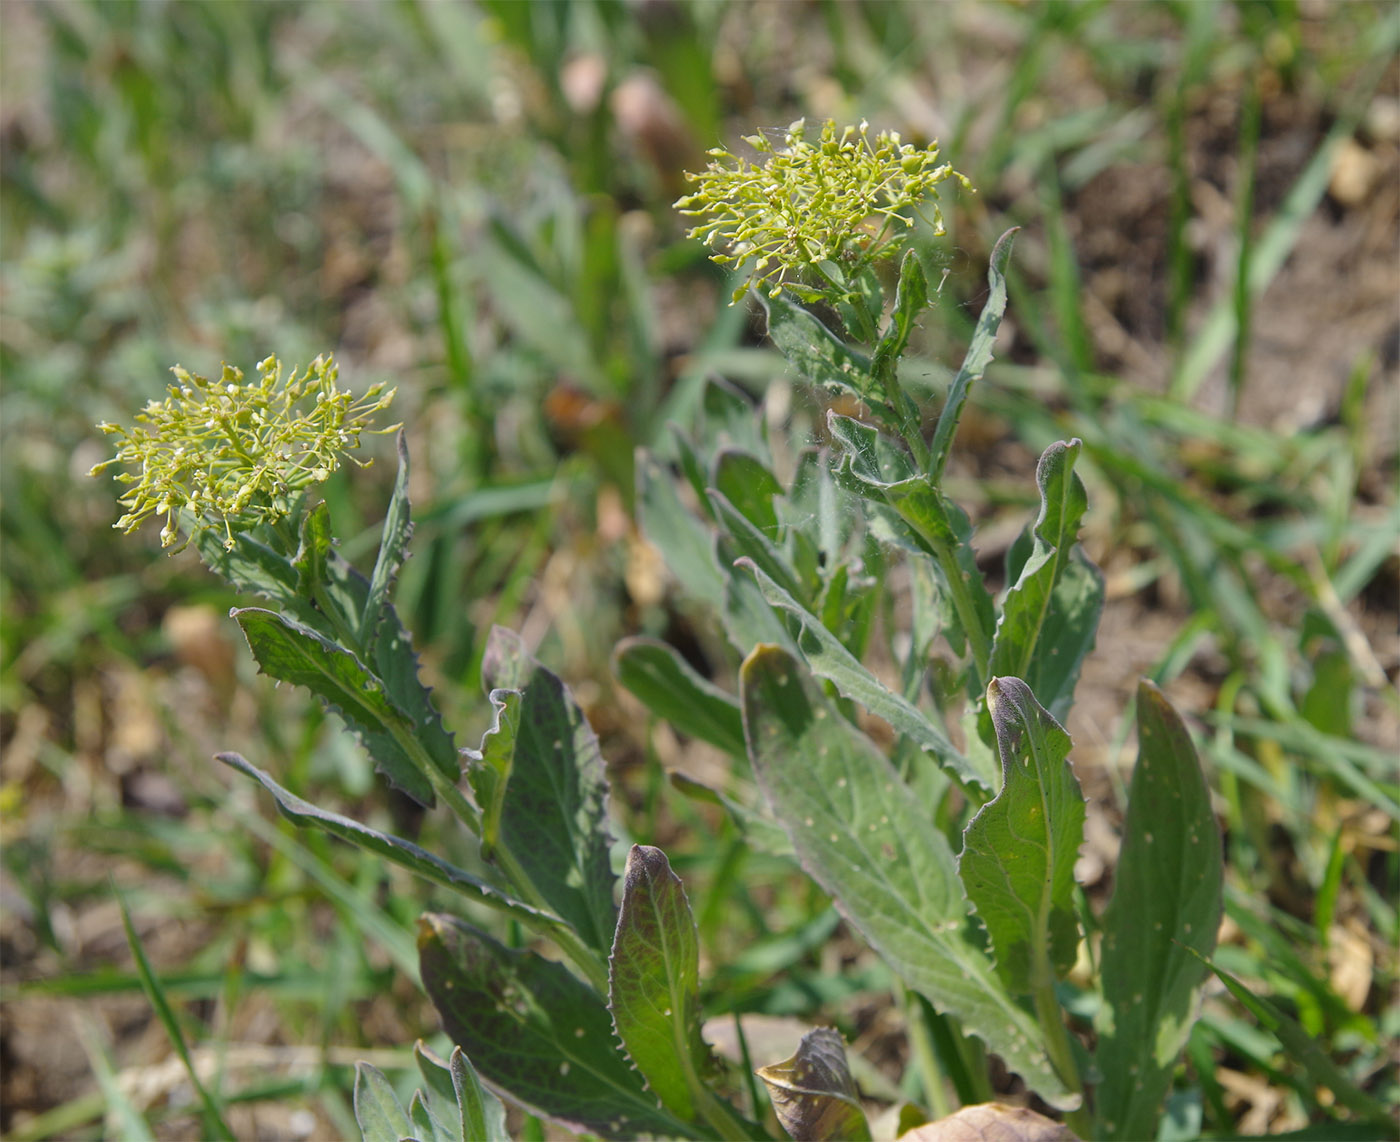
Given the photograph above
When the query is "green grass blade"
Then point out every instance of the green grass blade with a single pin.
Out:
(210, 1113)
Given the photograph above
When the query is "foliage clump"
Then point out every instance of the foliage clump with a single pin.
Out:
(236, 455)
(845, 198)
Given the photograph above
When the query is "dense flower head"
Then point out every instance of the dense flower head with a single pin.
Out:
(844, 197)
(234, 455)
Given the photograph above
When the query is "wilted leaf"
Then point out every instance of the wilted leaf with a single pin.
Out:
(992, 1122)
(813, 1093)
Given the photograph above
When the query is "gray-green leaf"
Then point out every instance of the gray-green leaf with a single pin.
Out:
(829, 659)
(670, 688)
(1161, 921)
(877, 852)
(377, 1108)
(401, 852)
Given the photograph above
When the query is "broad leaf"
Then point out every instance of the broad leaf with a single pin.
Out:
(291, 652)
(535, 1031)
(975, 360)
(813, 1093)
(748, 484)
(1018, 856)
(671, 689)
(377, 1108)
(876, 851)
(654, 985)
(829, 659)
(1159, 924)
(992, 1122)
(1051, 612)
(403, 853)
(730, 420)
(554, 822)
(814, 351)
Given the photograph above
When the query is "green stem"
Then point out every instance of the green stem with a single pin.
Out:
(921, 1040)
(1057, 1044)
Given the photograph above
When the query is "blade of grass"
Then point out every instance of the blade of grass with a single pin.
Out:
(211, 1115)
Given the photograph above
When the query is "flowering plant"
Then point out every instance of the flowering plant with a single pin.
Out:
(234, 454)
(844, 199)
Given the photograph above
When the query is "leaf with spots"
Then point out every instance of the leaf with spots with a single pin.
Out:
(861, 834)
(813, 1093)
(536, 1032)
(1161, 921)
(1018, 855)
(654, 991)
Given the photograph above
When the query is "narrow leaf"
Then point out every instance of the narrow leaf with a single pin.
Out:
(291, 652)
(813, 1093)
(975, 360)
(393, 548)
(753, 545)
(1161, 920)
(251, 568)
(535, 1031)
(654, 982)
(403, 853)
(1303, 1047)
(555, 821)
(483, 1114)
(488, 769)
(377, 1108)
(860, 834)
(828, 658)
(1019, 850)
(1051, 611)
(427, 1126)
(671, 689)
(685, 543)
(910, 301)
